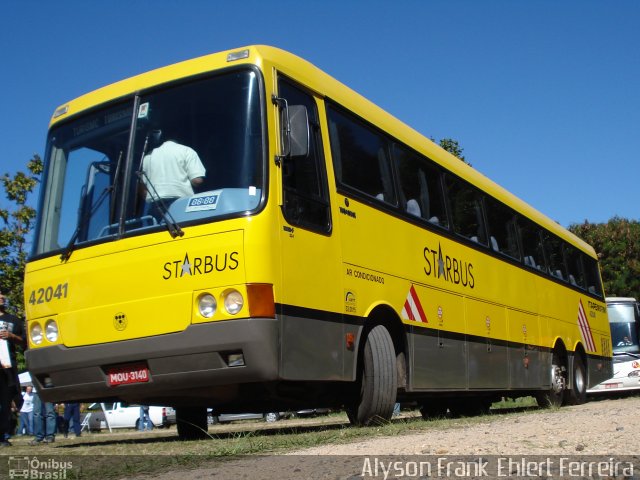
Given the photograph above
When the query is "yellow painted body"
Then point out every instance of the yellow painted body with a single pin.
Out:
(147, 285)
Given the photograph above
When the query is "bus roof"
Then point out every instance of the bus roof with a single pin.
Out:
(319, 81)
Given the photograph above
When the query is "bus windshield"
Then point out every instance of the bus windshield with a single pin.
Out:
(624, 332)
(178, 155)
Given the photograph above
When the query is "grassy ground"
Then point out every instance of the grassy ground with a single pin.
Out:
(126, 453)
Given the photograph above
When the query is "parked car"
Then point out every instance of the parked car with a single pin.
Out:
(119, 415)
(93, 419)
(312, 412)
(267, 417)
(233, 417)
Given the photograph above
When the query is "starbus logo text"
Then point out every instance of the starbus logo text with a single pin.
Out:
(451, 269)
(200, 265)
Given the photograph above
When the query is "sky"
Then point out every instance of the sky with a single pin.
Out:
(542, 95)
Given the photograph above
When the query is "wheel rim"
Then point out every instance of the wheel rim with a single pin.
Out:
(271, 417)
(579, 380)
(557, 380)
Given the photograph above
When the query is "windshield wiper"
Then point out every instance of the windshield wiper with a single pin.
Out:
(618, 354)
(172, 226)
(84, 217)
(72, 242)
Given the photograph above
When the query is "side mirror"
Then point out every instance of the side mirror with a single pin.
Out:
(298, 131)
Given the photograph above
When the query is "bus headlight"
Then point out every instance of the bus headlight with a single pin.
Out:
(207, 305)
(233, 301)
(36, 334)
(51, 331)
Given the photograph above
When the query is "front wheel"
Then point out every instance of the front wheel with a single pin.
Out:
(433, 408)
(470, 406)
(378, 380)
(191, 423)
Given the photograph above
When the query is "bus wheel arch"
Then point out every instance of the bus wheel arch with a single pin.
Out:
(380, 368)
(555, 396)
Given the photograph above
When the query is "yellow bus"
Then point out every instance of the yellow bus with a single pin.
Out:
(320, 253)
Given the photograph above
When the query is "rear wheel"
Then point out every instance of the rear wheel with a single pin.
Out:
(578, 394)
(378, 380)
(555, 395)
(191, 423)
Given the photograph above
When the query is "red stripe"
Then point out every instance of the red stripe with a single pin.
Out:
(591, 341)
(416, 300)
(583, 322)
(407, 309)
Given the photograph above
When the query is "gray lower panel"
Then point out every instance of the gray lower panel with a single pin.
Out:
(313, 350)
(488, 365)
(438, 363)
(529, 367)
(445, 363)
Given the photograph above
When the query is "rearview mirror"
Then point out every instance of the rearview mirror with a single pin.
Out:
(298, 131)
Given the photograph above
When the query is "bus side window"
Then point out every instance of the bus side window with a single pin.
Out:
(306, 198)
(592, 275)
(553, 253)
(466, 210)
(502, 228)
(574, 266)
(360, 156)
(531, 241)
(421, 188)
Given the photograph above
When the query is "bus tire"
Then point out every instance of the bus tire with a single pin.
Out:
(191, 423)
(378, 380)
(578, 394)
(554, 397)
(433, 408)
(469, 406)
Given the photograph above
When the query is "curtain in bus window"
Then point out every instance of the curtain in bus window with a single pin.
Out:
(361, 157)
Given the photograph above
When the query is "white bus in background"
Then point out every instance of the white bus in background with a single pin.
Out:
(624, 318)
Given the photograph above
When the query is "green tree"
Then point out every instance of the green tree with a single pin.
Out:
(617, 243)
(453, 147)
(17, 221)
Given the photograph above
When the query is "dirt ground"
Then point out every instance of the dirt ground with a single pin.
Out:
(602, 428)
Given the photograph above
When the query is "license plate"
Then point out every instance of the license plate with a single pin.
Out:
(126, 374)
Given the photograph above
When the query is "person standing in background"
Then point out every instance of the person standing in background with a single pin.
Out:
(72, 412)
(144, 422)
(26, 412)
(45, 422)
(11, 336)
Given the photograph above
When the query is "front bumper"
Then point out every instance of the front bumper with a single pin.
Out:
(183, 366)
